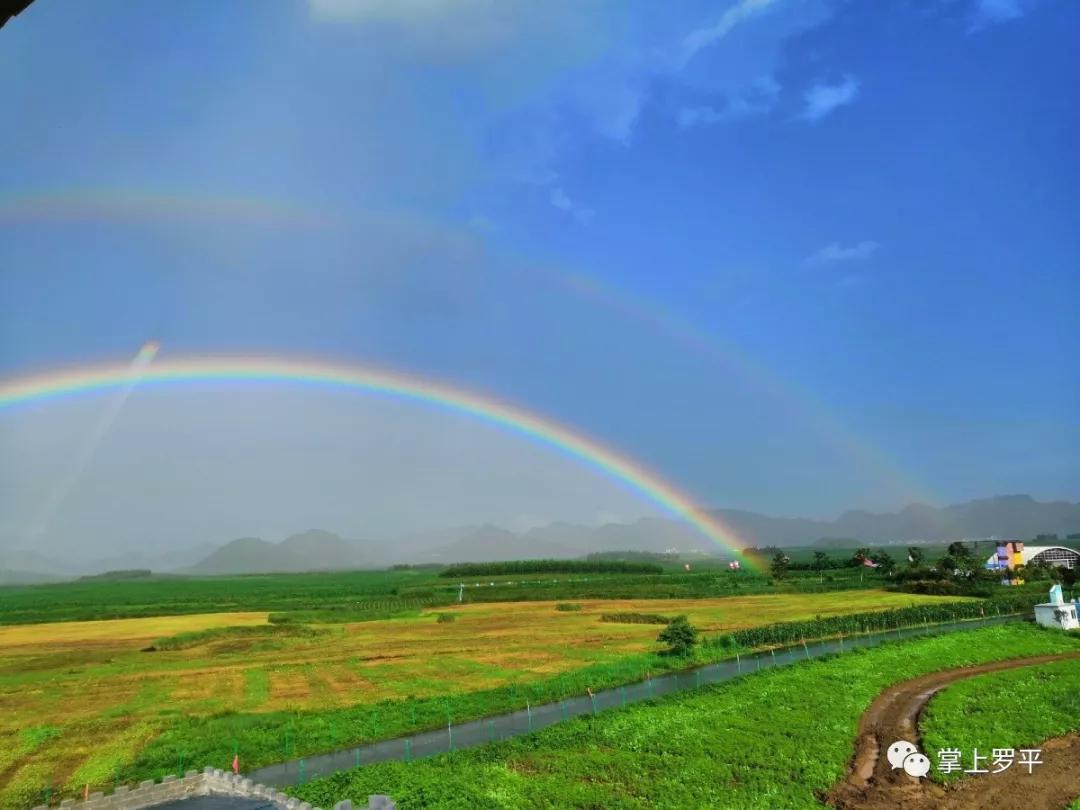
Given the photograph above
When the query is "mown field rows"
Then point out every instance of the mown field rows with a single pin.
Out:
(773, 739)
(83, 702)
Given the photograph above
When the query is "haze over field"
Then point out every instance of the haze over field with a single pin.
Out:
(319, 549)
(780, 256)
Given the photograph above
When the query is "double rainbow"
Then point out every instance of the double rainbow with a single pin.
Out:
(377, 381)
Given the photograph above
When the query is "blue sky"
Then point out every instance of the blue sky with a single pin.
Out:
(796, 256)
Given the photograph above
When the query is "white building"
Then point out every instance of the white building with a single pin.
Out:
(1057, 612)
(1025, 555)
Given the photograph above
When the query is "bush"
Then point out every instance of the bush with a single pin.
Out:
(680, 636)
(446, 618)
(792, 632)
(934, 587)
(635, 618)
(568, 606)
(184, 641)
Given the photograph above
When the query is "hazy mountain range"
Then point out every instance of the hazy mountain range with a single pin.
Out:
(1009, 516)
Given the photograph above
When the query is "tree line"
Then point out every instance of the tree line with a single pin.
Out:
(519, 567)
(959, 563)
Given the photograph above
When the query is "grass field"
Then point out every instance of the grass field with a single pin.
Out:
(969, 714)
(83, 702)
(119, 632)
(773, 739)
(363, 595)
(349, 591)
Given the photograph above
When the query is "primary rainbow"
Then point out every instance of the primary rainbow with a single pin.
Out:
(486, 408)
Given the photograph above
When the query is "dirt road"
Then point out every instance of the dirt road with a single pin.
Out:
(871, 782)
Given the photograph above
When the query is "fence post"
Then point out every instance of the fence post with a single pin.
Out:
(301, 771)
(562, 706)
(805, 649)
(450, 735)
(408, 750)
(528, 711)
(697, 678)
(738, 663)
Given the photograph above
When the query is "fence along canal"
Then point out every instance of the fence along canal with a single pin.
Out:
(534, 718)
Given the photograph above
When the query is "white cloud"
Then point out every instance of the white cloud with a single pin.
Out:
(991, 12)
(822, 98)
(702, 38)
(561, 200)
(550, 76)
(838, 253)
(759, 98)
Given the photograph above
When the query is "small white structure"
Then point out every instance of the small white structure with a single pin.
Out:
(1057, 612)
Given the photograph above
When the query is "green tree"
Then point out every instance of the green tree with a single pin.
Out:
(860, 555)
(915, 556)
(959, 552)
(885, 563)
(779, 565)
(821, 561)
(680, 636)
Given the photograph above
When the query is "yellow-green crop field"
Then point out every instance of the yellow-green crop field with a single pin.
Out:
(78, 700)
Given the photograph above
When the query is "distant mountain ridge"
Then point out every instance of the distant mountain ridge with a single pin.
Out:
(314, 550)
(1011, 516)
(1006, 516)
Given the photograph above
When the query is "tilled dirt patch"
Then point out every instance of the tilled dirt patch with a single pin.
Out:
(894, 715)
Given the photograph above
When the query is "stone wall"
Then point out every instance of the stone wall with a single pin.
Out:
(211, 782)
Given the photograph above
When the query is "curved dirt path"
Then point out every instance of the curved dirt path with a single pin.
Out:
(871, 782)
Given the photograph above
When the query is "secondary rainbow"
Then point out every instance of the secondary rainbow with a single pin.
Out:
(25, 390)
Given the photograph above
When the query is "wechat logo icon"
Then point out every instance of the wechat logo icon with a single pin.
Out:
(902, 754)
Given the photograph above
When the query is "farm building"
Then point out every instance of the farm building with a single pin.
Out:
(1057, 612)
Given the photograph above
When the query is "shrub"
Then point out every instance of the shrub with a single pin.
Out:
(792, 632)
(184, 641)
(635, 618)
(680, 636)
(934, 587)
(446, 618)
(568, 606)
